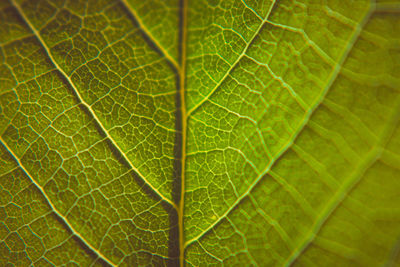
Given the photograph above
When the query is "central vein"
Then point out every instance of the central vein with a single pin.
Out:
(182, 123)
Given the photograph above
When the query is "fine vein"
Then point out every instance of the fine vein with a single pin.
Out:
(245, 49)
(149, 35)
(348, 185)
(53, 208)
(80, 98)
(306, 119)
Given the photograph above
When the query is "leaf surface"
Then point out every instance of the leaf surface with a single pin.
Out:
(200, 132)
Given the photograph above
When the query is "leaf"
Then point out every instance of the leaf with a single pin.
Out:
(200, 132)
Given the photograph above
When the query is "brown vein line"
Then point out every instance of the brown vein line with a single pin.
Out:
(234, 64)
(86, 105)
(307, 117)
(350, 183)
(151, 38)
(56, 212)
(183, 118)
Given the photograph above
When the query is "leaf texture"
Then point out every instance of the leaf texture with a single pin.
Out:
(199, 133)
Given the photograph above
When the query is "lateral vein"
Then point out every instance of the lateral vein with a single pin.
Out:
(306, 119)
(350, 183)
(54, 209)
(149, 35)
(234, 64)
(86, 105)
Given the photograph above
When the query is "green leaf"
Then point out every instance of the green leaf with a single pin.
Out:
(200, 132)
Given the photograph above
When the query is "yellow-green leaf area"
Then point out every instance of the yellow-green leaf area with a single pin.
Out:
(199, 133)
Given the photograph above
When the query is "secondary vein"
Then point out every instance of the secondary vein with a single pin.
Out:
(87, 106)
(149, 35)
(338, 67)
(52, 207)
(232, 67)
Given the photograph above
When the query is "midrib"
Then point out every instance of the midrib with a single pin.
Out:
(180, 125)
(182, 120)
(176, 203)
